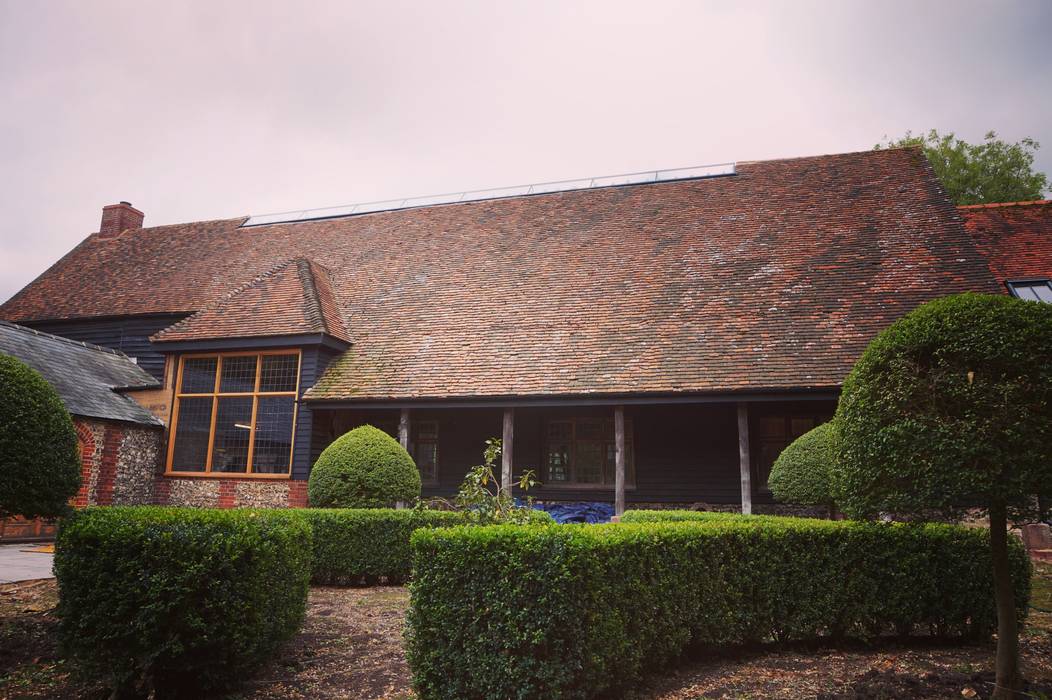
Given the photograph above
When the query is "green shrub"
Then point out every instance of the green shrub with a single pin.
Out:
(583, 611)
(39, 459)
(679, 516)
(179, 600)
(803, 470)
(365, 468)
(354, 546)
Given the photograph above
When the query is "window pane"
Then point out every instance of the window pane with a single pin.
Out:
(426, 459)
(1043, 293)
(278, 373)
(589, 430)
(199, 375)
(193, 422)
(238, 374)
(233, 427)
(273, 435)
(799, 426)
(427, 430)
(589, 466)
(559, 431)
(558, 462)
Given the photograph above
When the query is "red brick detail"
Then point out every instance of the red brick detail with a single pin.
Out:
(297, 494)
(117, 218)
(18, 528)
(86, 441)
(162, 491)
(111, 450)
(227, 493)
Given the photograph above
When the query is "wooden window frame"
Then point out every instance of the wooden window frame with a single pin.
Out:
(415, 442)
(630, 448)
(215, 395)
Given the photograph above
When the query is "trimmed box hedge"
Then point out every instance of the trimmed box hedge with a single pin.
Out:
(356, 546)
(179, 600)
(582, 611)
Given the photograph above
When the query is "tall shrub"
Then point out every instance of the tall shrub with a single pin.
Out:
(951, 408)
(364, 468)
(39, 460)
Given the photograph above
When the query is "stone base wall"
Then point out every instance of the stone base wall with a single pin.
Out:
(118, 463)
(229, 492)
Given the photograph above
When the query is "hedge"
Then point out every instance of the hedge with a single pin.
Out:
(179, 600)
(581, 611)
(355, 546)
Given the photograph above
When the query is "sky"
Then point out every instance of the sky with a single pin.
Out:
(209, 109)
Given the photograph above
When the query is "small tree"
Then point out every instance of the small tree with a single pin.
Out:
(951, 408)
(364, 468)
(981, 173)
(485, 500)
(39, 459)
(802, 472)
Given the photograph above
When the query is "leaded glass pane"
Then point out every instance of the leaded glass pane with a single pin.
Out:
(426, 458)
(558, 462)
(233, 430)
(273, 447)
(193, 422)
(238, 375)
(199, 375)
(278, 373)
(589, 466)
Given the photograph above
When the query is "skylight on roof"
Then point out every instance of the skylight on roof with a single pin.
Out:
(640, 178)
(1033, 290)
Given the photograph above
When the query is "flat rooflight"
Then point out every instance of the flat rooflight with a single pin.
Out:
(640, 178)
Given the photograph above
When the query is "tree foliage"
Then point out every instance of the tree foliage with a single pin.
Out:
(950, 408)
(981, 173)
(364, 468)
(802, 472)
(39, 459)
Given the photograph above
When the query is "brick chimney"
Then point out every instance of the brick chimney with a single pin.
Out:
(118, 218)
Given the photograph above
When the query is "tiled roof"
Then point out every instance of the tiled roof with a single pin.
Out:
(84, 375)
(774, 278)
(293, 298)
(1016, 238)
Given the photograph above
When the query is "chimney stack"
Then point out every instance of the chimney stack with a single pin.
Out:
(118, 218)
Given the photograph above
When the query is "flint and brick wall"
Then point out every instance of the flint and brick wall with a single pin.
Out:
(229, 492)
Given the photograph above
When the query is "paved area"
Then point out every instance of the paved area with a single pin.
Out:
(16, 565)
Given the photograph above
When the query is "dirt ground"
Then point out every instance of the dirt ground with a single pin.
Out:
(351, 647)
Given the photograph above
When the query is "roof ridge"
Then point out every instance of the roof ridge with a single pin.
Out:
(71, 341)
(993, 205)
(313, 309)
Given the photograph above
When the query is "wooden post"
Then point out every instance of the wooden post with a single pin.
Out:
(403, 438)
(506, 447)
(403, 428)
(619, 461)
(743, 457)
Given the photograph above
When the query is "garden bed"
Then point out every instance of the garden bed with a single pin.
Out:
(351, 646)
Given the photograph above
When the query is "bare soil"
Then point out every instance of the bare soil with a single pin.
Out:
(351, 647)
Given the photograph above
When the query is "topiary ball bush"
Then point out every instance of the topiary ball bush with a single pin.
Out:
(39, 459)
(365, 468)
(802, 473)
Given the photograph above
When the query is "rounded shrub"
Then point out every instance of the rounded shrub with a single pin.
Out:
(365, 468)
(39, 459)
(802, 473)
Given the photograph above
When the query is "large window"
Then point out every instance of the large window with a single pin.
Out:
(773, 434)
(582, 452)
(234, 414)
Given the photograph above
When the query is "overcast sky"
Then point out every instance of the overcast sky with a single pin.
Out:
(202, 110)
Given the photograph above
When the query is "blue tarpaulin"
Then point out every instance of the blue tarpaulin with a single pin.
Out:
(585, 512)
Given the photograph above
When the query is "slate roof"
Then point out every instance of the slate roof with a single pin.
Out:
(1016, 237)
(85, 376)
(771, 279)
(293, 298)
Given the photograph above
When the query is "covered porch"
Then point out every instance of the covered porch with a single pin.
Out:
(630, 452)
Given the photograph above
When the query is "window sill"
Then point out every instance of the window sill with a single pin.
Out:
(225, 475)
